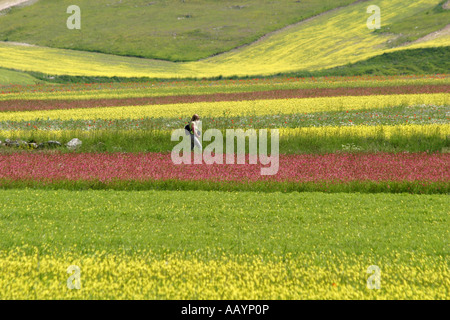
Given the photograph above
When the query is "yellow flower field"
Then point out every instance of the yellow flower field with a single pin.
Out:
(385, 131)
(190, 276)
(232, 108)
(382, 131)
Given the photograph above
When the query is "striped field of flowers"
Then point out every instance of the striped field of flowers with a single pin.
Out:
(98, 91)
(363, 180)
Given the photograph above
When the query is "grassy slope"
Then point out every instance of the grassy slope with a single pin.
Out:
(16, 77)
(418, 25)
(334, 39)
(410, 61)
(171, 30)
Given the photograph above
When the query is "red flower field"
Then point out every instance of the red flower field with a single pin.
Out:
(341, 168)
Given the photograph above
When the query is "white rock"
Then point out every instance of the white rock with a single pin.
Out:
(74, 143)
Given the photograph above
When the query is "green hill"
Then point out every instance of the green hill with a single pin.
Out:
(175, 30)
(333, 39)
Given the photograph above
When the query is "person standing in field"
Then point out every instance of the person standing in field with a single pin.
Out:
(193, 129)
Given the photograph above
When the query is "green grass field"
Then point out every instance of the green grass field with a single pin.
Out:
(8, 77)
(309, 142)
(168, 221)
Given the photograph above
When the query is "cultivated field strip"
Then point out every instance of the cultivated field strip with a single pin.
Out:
(122, 90)
(233, 108)
(26, 105)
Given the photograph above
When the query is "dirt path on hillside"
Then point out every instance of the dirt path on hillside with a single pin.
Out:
(443, 32)
(436, 34)
(25, 105)
(5, 4)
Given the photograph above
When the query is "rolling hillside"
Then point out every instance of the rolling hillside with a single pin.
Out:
(175, 30)
(333, 39)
